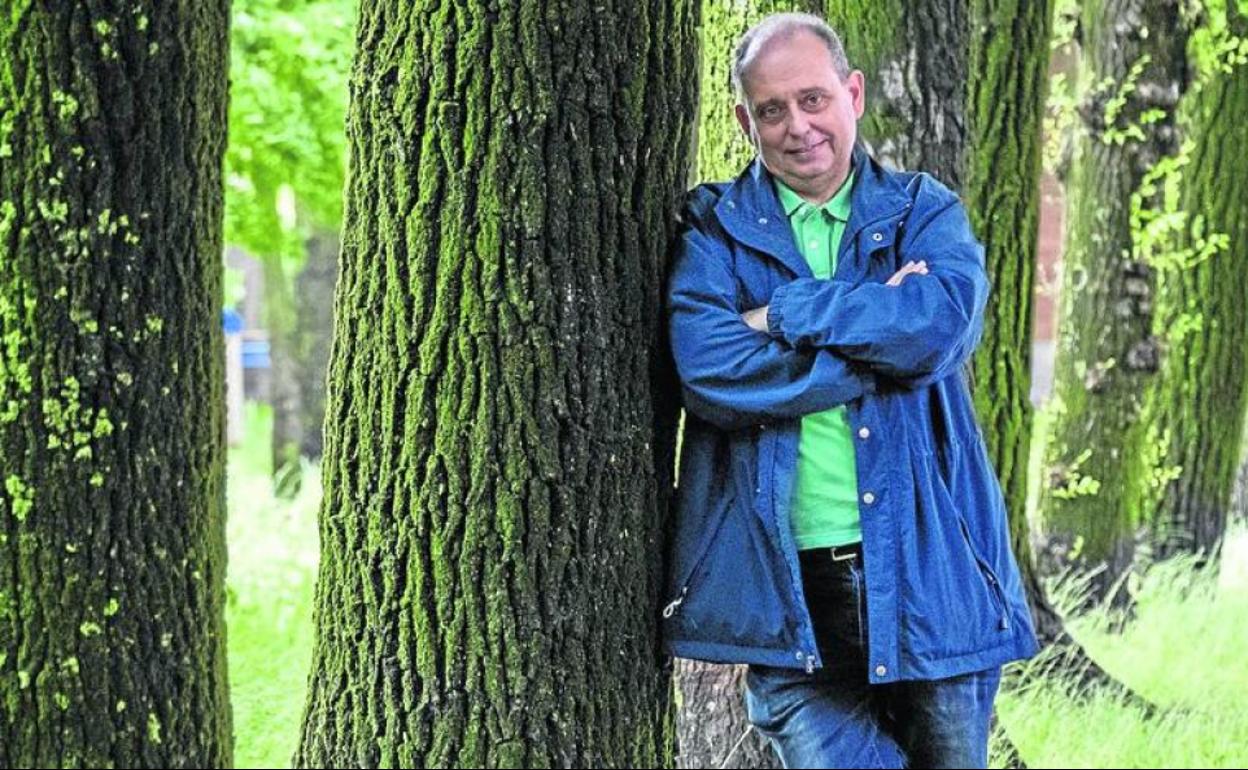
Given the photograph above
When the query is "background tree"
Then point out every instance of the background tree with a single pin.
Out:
(1132, 72)
(112, 543)
(285, 170)
(498, 466)
(1194, 415)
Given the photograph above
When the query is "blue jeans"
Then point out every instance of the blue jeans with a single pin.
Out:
(834, 718)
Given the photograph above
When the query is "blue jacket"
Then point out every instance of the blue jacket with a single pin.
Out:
(944, 596)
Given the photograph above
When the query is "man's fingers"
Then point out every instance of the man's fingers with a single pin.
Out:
(919, 267)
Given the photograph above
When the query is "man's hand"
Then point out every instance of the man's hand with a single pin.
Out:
(757, 318)
(918, 268)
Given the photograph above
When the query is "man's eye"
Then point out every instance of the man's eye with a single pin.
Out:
(814, 100)
(770, 112)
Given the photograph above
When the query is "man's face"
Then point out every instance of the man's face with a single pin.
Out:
(799, 114)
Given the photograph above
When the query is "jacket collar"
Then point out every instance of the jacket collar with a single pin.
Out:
(750, 210)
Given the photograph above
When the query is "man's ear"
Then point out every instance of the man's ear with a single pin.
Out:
(857, 87)
(743, 119)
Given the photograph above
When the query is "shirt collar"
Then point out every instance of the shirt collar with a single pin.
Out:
(795, 205)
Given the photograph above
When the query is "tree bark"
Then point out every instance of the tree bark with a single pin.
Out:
(112, 432)
(315, 289)
(499, 452)
(1195, 412)
(1134, 65)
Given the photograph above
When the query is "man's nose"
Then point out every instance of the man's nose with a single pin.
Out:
(798, 123)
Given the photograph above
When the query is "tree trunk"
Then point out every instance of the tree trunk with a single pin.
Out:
(915, 57)
(712, 729)
(299, 315)
(315, 288)
(1009, 58)
(112, 432)
(1239, 497)
(499, 452)
(1132, 55)
(1195, 414)
(285, 393)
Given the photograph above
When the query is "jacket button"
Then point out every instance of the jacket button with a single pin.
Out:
(868, 498)
(877, 237)
(881, 670)
(863, 432)
(762, 220)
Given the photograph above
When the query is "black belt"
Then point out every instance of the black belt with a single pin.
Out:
(835, 552)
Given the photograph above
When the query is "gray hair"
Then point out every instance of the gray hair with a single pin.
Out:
(784, 25)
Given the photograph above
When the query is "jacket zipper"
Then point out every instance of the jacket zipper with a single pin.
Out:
(674, 606)
(994, 585)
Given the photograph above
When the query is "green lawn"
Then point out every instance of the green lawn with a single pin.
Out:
(272, 572)
(1184, 650)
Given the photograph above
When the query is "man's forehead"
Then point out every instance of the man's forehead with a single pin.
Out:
(790, 63)
(773, 86)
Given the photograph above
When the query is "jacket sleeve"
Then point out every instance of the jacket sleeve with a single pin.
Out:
(915, 333)
(731, 375)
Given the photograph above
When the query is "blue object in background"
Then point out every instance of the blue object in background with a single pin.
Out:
(255, 351)
(232, 321)
(256, 354)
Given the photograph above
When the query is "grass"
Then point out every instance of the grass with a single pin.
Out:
(272, 570)
(1184, 649)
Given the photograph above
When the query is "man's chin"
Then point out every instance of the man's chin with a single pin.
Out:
(805, 172)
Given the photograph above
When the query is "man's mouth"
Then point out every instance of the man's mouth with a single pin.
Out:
(807, 150)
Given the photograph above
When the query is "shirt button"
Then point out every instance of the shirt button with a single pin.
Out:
(868, 498)
(814, 244)
(881, 670)
(863, 432)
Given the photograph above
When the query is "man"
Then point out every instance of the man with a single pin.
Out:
(840, 526)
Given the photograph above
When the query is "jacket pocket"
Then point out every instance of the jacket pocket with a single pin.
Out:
(990, 577)
(991, 583)
(699, 553)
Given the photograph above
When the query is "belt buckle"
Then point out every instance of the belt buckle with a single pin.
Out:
(837, 555)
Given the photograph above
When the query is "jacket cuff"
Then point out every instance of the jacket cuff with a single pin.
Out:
(775, 312)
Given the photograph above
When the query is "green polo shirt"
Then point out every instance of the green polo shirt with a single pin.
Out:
(824, 510)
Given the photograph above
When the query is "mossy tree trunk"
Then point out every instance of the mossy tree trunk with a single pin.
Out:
(112, 537)
(315, 288)
(501, 418)
(1134, 68)
(1195, 413)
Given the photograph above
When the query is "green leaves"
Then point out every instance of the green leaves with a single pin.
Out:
(289, 67)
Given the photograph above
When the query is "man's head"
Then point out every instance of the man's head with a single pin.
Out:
(798, 101)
